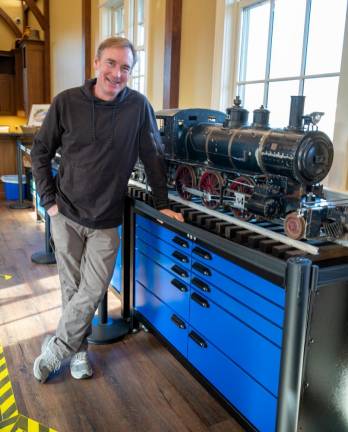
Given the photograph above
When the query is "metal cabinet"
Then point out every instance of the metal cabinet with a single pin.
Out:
(268, 336)
(225, 320)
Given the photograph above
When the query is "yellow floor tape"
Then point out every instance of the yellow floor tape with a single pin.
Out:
(10, 419)
(6, 276)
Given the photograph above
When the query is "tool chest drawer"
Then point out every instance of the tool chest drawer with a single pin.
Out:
(171, 325)
(206, 280)
(175, 265)
(242, 312)
(249, 349)
(179, 242)
(252, 400)
(159, 246)
(165, 285)
(226, 320)
(205, 261)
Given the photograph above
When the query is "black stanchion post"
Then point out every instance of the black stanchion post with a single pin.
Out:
(20, 204)
(108, 330)
(46, 256)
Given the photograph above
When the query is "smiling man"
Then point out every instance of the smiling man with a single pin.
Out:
(101, 129)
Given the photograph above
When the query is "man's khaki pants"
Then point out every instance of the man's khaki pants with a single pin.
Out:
(85, 259)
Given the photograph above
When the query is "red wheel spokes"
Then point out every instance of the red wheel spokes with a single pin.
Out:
(185, 177)
(211, 183)
(242, 185)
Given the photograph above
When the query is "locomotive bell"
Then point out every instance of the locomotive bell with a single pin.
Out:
(236, 115)
(260, 118)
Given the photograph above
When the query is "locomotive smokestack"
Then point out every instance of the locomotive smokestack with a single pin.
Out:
(296, 112)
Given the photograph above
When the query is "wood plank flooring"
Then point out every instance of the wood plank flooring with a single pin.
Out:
(137, 386)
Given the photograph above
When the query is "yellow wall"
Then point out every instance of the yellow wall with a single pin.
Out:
(66, 44)
(197, 49)
(14, 10)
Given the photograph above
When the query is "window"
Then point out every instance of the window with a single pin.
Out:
(138, 75)
(127, 18)
(290, 47)
(117, 24)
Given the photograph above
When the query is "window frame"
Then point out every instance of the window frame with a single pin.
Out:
(240, 83)
(228, 42)
(225, 70)
(107, 26)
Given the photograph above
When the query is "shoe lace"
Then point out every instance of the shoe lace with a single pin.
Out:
(53, 361)
(80, 357)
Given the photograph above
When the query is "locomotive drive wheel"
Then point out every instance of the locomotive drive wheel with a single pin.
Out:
(185, 177)
(211, 183)
(245, 186)
(294, 226)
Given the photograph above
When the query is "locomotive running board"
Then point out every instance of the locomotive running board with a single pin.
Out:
(310, 249)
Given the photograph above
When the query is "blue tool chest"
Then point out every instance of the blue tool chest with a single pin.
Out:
(225, 320)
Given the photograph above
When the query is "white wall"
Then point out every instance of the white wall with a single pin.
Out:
(338, 176)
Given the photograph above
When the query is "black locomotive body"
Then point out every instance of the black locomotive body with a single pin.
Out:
(253, 171)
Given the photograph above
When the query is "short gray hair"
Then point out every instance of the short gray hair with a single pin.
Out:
(117, 42)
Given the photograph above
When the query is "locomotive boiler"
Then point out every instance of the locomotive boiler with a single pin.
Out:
(254, 171)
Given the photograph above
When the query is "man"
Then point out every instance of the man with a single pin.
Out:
(101, 128)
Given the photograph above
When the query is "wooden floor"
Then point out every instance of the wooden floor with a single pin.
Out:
(137, 386)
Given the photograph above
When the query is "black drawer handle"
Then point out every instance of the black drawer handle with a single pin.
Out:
(200, 300)
(202, 253)
(202, 269)
(178, 322)
(199, 341)
(181, 257)
(178, 270)
(180, 242)
(179, 285)
(200, 284)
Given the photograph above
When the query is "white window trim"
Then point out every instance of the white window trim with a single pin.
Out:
(225, 79)
(225, 44)
(105, 25)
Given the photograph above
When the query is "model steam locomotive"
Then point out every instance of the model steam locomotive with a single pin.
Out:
(254, 171)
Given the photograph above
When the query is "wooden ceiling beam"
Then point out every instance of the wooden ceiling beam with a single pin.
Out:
(42, 20)
(86, 38)
(10, 24)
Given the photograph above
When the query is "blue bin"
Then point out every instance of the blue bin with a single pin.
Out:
(11, 186)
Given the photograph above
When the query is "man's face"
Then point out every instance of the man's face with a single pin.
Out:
(113, 69)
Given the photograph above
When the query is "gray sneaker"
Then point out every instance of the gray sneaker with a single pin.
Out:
(80, 366)
(45, 342)
(47, 362)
